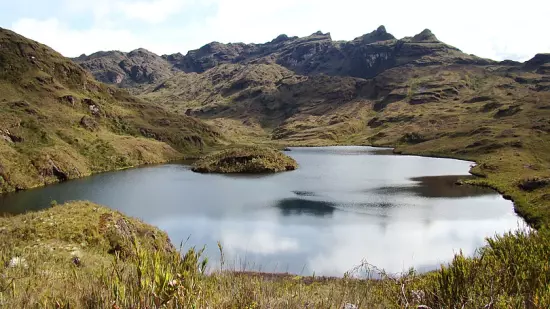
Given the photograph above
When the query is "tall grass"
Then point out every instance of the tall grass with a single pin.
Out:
(512, 271)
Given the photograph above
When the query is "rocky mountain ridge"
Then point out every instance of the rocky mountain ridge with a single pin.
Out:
(363, 57)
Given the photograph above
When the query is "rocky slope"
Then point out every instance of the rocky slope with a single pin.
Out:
(363, 57)
(422, 96)
(126, 70)
(58, 123)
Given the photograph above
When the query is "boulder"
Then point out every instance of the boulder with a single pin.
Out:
(89, 123)
(68, 99)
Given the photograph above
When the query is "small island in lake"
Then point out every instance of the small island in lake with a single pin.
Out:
(248, 159)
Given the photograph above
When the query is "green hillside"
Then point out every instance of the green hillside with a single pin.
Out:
(58, 123)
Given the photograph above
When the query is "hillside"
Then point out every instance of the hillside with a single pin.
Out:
(416, 93)
(424, 97)
(58, 123)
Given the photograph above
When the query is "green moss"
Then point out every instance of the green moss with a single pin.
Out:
(248, 159)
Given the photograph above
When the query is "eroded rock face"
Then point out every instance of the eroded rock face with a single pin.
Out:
(126, 69)
(363, 57)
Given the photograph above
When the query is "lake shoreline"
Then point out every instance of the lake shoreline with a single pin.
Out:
(362, 188)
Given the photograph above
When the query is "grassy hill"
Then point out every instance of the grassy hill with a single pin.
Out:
(99, 258)
(58, 123)
(497, 114)
(417, 94)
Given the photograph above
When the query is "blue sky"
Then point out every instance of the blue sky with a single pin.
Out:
(494, 29)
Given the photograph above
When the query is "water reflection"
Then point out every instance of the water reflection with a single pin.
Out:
(296, 206)
(437, 187)
(343, 205)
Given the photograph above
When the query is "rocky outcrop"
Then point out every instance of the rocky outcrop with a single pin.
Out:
(89, 123)
(127, 69)
(363, 57)
(532, 184)
(540, 63)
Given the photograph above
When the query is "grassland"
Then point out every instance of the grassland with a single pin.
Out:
(245, 159)
(99, 258)
(57, 123)
(494, 115)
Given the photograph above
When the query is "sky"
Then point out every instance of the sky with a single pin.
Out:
(499, 30)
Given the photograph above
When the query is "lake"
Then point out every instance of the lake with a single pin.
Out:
(344, 205)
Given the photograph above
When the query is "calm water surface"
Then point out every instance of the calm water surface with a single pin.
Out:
(342, 206)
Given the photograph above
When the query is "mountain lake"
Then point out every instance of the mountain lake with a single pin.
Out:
(342, 207)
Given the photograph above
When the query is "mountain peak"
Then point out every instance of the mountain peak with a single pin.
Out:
(380, 34)
(280, 38)
(381, 29)
(425, 36)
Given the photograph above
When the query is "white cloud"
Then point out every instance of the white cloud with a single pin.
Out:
(493, 29)
(258, 242)
(74, 42)
(150, 11)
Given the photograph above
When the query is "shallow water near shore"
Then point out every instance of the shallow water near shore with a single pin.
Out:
(344, 205)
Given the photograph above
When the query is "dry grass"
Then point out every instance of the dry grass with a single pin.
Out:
(44, 98)
(98, 258)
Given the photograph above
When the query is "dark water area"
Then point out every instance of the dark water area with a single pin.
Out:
(344, 205)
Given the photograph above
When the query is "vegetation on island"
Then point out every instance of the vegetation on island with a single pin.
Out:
(245, 159)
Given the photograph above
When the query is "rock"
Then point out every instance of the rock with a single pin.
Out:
(423, 98)
(69, 99)
(10, 137)
(425, 36)
(509, 111)
(19, 104)
(281, 38)
(413, 138)
(490, 106)
(377, 35)
(76, 261)
(350, 306)
(363, 57)
(88, 101)
(57, 172)
(114, 77)
(533, 184)
(536, 62)
(94, 109)
(89, 123)
(478, 99)
(17, 262)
